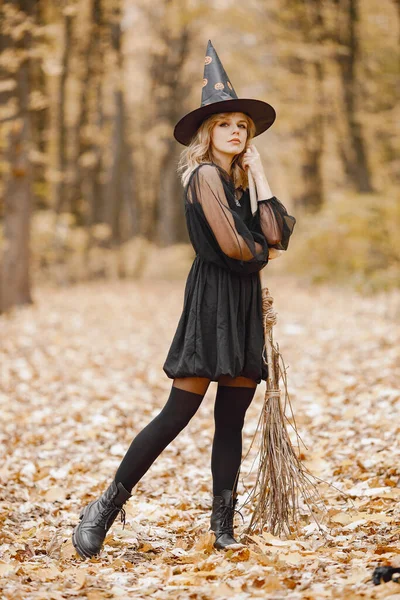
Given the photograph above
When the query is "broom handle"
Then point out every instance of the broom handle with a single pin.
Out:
(268, 339)
(270, 360)
(253, 193)
(273, 252)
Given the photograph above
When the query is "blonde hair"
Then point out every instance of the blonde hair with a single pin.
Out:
(200, 151)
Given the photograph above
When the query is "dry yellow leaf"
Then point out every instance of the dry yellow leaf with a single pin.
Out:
(55, 493)
(96, 595)
(341, 518)
(292, 558)
(242, 554)
(68, 551)
(6, 569)
(205, 542)
(80, 579)
(276, 541)
(47, 573)
(270, 583)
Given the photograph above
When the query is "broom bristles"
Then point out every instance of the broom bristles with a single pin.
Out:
(281, 478)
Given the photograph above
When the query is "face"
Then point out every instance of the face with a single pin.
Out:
(229, 134)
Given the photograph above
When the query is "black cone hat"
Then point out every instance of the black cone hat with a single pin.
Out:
(217, 96)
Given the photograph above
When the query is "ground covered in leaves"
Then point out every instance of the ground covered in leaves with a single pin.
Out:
(81, 374)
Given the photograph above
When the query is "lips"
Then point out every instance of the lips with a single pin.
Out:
(235, 140)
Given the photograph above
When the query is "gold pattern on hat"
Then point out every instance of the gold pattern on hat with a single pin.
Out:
(205, 81)
(219, 86)
(207, 60)
(229, 85)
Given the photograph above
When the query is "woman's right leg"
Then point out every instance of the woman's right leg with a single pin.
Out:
(185, 398)
(97, 517)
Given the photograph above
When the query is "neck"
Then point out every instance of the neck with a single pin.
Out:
(223, 160)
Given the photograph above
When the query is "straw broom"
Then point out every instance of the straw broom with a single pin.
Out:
(281, 477)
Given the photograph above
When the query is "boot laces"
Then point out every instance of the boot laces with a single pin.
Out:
(227, 514)
(123, 515)
(108, 511)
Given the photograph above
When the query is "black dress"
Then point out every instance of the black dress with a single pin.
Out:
(220, 330)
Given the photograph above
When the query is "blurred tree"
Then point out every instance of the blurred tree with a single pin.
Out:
(397, 3)
(86, 191)
(167, 88)
(39, 105)
(298, 74)
(353, 149)
(15, 43)
(59, 187)
(173, 25)
(122, 205)
(309, 23)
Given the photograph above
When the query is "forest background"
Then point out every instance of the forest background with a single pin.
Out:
(90, 91)
(92, 229)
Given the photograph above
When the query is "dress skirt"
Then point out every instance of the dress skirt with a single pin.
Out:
(220, 331)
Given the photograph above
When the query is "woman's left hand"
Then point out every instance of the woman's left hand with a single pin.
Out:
(274, 253)
(252, 160)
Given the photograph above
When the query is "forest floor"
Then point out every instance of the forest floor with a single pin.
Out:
(81, 374)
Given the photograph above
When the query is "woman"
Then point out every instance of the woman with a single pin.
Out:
(219, 336)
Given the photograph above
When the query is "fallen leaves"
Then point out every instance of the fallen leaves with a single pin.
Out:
(82, 374)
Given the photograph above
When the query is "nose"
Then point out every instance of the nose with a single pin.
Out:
(235, 130)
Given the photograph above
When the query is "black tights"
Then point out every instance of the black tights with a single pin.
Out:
(230, 408)
(231, 404)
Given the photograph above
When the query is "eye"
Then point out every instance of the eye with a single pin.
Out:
(241, 125)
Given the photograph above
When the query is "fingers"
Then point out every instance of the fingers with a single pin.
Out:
(252, 149)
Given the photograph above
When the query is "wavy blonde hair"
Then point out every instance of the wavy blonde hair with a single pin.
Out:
(200, 151)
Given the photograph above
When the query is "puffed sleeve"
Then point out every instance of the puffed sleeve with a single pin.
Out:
(273, 220)
(234, 241)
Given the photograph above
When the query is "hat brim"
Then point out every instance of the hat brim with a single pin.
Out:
(262, 113)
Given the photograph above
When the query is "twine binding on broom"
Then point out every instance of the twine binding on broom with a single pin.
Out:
(281, 478)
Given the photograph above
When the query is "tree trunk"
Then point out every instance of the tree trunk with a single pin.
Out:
(59, 185)
(171, 227)
(313, 197)
(306, 25)
(14, 273)
(39, 120)
(122, 208)
(397, 3)
(353, 149)
(83, 165)
(166, 72)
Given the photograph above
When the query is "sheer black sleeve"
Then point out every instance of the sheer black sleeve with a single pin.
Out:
(235, 241)
(269, 209)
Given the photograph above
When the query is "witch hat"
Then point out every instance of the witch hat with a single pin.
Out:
(217, 96)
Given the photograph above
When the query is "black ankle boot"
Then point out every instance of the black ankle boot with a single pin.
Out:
(97, 518)
(223, 509)
(384, 574)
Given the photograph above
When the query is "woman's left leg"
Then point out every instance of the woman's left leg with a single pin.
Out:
(234, 396)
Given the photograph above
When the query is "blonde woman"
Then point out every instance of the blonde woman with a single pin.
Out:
(219, 336)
